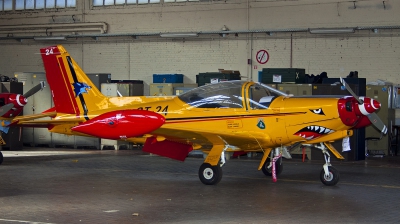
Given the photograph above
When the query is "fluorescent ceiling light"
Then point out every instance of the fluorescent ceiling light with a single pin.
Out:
(49, 38)
(179, 35)
(331, 30)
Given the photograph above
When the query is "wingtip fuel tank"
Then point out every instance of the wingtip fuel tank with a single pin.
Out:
(121, 124)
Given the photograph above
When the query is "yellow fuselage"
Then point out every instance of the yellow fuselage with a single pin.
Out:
(251, 129)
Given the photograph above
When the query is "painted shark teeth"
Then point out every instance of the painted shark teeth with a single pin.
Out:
(313, 131)
(320, 129)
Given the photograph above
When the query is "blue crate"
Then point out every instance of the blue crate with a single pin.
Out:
(167, 78)
(260, 76)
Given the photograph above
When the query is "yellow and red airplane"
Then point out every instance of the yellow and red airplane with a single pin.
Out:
(233, 116)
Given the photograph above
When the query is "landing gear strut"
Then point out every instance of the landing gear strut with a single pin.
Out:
(273, 164)
(212, 174)
(267, 168)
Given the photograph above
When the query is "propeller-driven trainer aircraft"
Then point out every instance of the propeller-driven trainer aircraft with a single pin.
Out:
(233, 116)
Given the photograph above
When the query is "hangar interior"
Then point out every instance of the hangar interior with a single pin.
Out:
(133, 40)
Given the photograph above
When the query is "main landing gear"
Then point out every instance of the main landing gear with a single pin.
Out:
(210, 174)
(1, 158)
(273, 167)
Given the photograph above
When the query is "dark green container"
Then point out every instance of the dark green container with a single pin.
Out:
(282, 75)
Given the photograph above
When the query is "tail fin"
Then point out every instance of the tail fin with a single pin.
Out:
(72, 91)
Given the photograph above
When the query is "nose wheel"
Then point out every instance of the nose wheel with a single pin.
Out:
(330, 179)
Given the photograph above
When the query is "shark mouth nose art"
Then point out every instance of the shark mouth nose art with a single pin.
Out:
(311, 132)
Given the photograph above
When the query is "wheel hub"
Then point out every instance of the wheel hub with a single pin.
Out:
(208, 173)
(328, 177)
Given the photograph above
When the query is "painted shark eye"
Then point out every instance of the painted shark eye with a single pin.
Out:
(318, 111)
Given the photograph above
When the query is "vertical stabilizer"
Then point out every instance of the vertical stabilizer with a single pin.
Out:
(72, 91)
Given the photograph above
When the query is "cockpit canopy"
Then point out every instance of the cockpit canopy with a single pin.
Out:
(229, 95)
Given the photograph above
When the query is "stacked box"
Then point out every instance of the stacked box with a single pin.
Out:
(99, 78)
(179, 90)
(163, 89)
(167, 78)
(130, 87)
(282, 75)
(205, 78)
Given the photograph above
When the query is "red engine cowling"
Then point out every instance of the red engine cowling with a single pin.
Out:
(121, 124)
(354, 114)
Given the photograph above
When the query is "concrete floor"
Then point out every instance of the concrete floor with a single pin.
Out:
(129, 186)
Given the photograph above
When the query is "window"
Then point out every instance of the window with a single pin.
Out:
(134, 2)
(180, 1)
(39, 5)
(7, 5)
(30, 4)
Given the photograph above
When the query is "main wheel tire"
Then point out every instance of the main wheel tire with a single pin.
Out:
(278, 167)
(332, 179)
(1, 157)
(210, 175)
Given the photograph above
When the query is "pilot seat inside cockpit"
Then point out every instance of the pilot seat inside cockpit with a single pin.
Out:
(266, 101)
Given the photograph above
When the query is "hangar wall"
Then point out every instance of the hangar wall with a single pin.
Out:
(374, 55)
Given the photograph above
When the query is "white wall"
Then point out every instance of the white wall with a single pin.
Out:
(375, 56)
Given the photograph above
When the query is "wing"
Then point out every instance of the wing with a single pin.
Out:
(238, 140)
(176, 143)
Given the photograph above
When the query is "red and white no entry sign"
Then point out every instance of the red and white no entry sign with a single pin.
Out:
(262, 56)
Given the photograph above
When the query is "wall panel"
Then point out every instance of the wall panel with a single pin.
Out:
(107, 58)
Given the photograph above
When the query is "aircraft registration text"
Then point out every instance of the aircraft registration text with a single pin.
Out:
(161, 109)
(233, 124)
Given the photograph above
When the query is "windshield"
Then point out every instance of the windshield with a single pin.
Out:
(218, 95)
